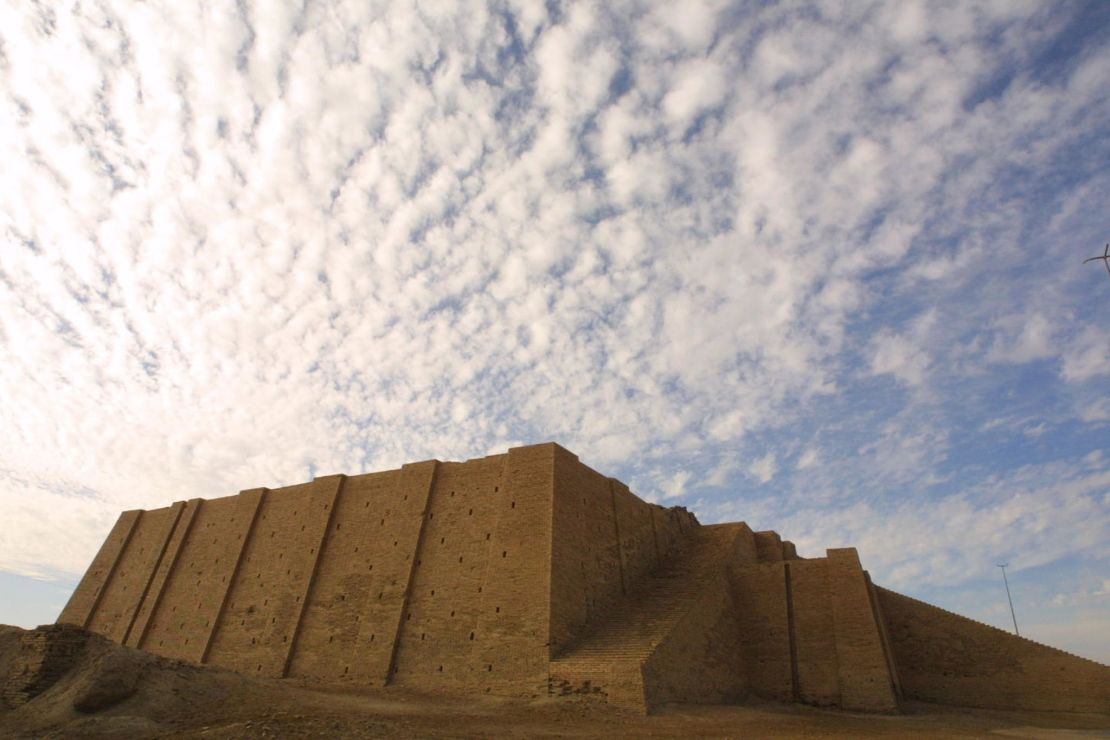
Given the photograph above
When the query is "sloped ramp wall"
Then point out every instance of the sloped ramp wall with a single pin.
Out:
(948, 659)
(700, 661)
(604, 541)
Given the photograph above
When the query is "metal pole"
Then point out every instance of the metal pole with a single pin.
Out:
(1005, 581)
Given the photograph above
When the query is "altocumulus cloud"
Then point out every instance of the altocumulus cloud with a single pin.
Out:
(812, 267)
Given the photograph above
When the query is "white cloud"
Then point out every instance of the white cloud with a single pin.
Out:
(764, 468)
(1088, 356)
(1023, 339)
(896, 355)
(810, 457)
(676, 485)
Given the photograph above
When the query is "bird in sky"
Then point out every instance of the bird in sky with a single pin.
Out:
(1105, 257)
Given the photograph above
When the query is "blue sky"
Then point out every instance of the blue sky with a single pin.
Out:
(813, 267)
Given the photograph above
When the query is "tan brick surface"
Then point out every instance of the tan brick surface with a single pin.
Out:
(82, 605)
(948, 659)
(528, 572)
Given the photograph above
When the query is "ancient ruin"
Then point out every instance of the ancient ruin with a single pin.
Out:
(529, 572)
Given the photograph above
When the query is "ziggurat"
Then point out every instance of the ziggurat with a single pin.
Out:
(528, 573)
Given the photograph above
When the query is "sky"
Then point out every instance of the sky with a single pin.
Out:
(818, 268)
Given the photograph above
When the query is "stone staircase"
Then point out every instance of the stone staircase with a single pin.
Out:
(607, 663)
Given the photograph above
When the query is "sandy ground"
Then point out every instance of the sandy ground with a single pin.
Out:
(128, 694)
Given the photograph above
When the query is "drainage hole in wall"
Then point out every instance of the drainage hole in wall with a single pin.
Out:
(471, 635)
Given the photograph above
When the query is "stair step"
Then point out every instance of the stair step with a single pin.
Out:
(646, 616)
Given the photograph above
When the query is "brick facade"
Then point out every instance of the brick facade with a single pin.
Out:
(527, 572)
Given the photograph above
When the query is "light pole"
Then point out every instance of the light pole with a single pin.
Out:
(1012, 615)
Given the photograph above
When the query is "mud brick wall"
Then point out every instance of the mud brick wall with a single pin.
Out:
(672, 526)
(769, 546)
(865, 678)
(639, 549)
(122, 594)
(814, 633)
(82, 605)
(156, 586)
(195, 590)
(471, 576)
(511, 645)
(350, 623)
(264, 600)
(945, 658)
(809, 633)
(701, 660)
(439, 631)
(745, 552)
(586, 564)
(759, 592)
(604, 541)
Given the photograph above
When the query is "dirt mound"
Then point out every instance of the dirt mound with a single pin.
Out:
(56, 675)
